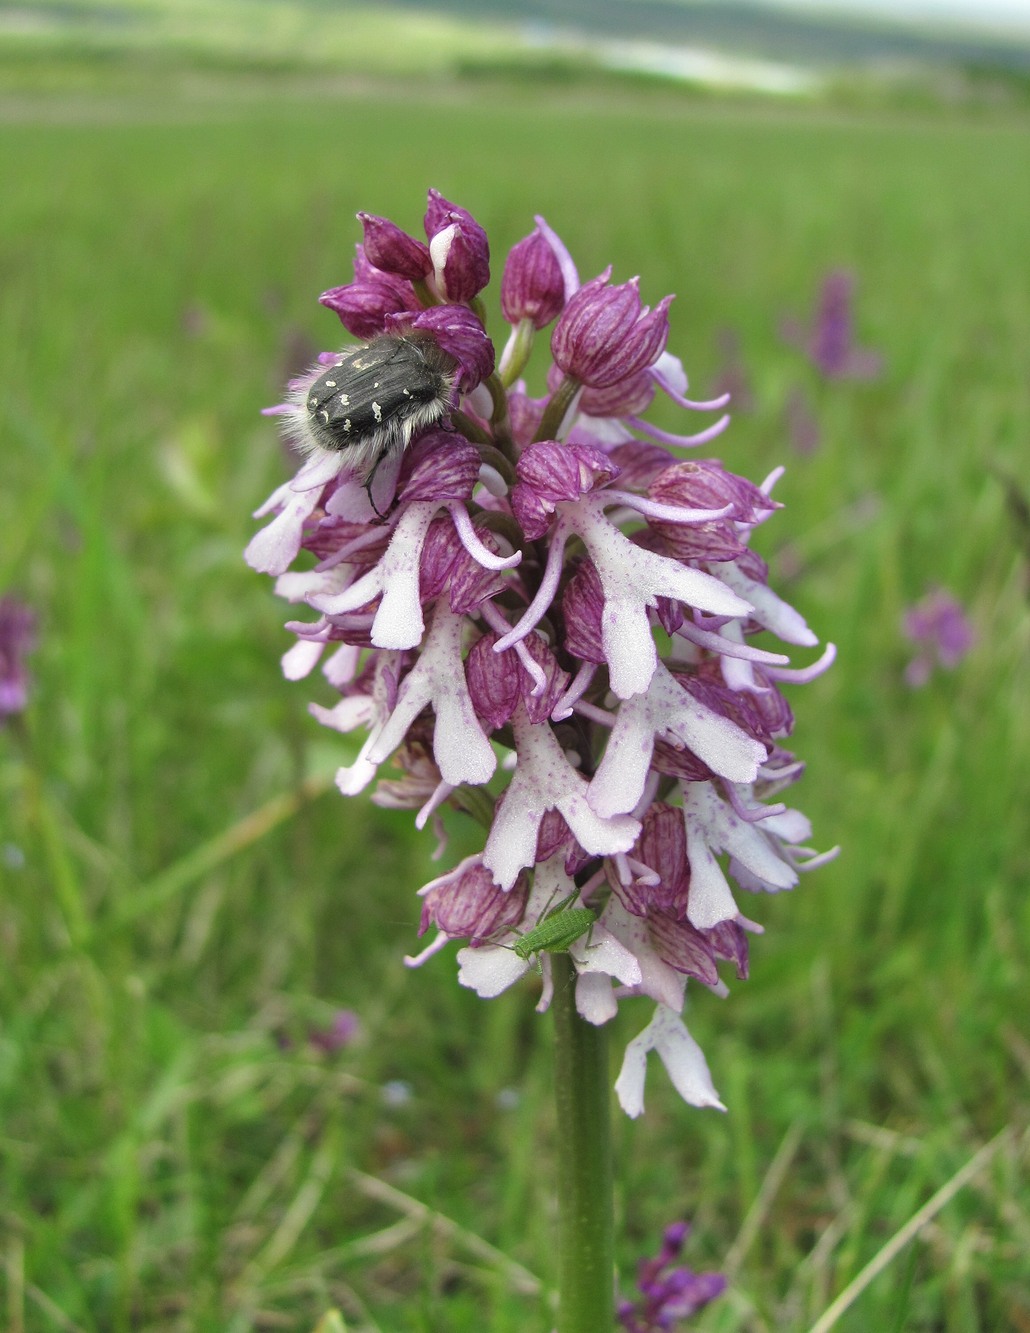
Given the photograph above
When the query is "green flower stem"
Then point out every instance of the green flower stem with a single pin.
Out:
(586, 1247)
(499, 419)
(554, 412)
(520, 350)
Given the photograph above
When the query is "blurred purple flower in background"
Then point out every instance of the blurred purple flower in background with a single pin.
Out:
(829, 341)
(343, 1030)
(668, 1294)
(490, 624)
(17, 640)
(940, 629)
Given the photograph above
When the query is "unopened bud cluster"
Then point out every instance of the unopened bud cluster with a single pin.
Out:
(493, 624)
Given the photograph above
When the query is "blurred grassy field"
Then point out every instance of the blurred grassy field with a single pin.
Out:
(179, 912)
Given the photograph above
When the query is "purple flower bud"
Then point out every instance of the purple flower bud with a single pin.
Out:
(532, 286)
(554, 834)
(363, 305)
(604, 334)
(392, 250)
(17, 640)
(470, 583)
(440, 552)
(461, 336)
(447, 566)
(459, 249)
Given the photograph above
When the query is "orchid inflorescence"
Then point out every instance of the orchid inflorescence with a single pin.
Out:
(491, 605)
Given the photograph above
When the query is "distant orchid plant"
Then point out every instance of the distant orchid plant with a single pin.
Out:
(668, 1293)
(17, 640)
(829, 340)
(939, 628)
(546, 617)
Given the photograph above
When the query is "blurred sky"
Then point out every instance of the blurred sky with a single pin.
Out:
(1014, 13)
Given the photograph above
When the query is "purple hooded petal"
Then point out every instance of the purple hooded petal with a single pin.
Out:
(467, 904)
(640, 462)
(729, 940)
(441, 213)
(682, 947)
(582, 608)
(769, 705)
(550, 473)
(564, 471)
(440, 466)
(707, 485)
(539, 707)
(532, 513)
(663, 848)
(494, 681)
(626, 397)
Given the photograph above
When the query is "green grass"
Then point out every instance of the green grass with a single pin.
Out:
(174, 1155)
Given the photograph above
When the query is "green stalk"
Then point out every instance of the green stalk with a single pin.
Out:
(586, 1247)
(554, 412)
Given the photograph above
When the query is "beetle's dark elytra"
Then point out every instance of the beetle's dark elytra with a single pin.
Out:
(380, 393)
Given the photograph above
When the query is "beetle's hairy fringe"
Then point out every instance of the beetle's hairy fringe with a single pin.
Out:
(361, 455)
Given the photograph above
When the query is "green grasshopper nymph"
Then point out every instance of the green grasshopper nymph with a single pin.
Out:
(557, 930)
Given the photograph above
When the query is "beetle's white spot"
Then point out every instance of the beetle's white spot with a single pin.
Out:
(375, 385)
(346, 426)
(325, 417)
(330, 384)
(377, 412)
(345, 399)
